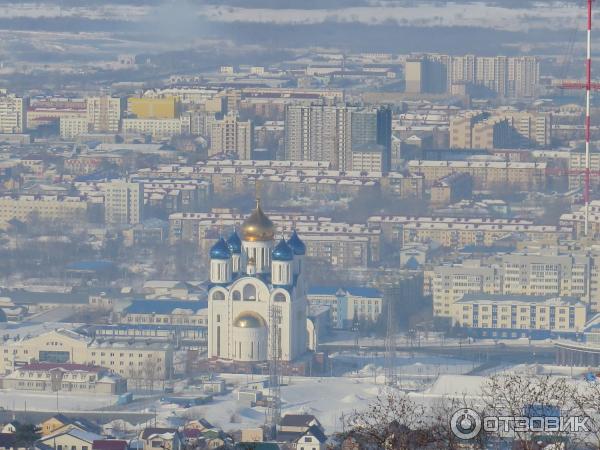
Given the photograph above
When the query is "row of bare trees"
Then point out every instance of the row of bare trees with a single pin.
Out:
(397, 420)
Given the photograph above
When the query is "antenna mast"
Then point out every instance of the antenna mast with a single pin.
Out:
(588, 97)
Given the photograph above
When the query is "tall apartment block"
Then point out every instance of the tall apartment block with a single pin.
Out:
(123, 203)
(231, 135)
(426, 74)
(348, 137)
(104, 113)
(13, 113)
(500, 75)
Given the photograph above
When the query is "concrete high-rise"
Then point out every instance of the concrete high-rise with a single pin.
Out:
(123, 203)
(13, 112)
(230, 135)
(426, 74)
(335, 133)
(104, 113)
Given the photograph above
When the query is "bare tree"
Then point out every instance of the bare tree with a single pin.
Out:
(515, 395)
(393, 421)
(586, 399)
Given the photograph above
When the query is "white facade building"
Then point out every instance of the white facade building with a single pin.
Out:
(252, 277)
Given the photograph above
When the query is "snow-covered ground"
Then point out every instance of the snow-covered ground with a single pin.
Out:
(33, 401)
(329, 399)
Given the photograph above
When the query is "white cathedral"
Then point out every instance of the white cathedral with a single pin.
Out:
(251, 276)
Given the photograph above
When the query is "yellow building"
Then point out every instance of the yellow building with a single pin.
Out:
(519, 312)
(154, 108)
(137, 361)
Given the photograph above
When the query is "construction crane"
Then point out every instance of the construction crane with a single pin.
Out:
(588, 86)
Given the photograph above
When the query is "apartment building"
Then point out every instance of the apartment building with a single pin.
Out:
(294, 177)
(104, 113)
(541, 274)
(451, 189)
(456, 232)
(166, 107)
(13, 113)
(340, 244)
(576, 220)
(123, 202)
(231, 135)
(534, 129)
(577, 168)
(45, 207)
(73, 126)
(50, 110)
(486, 175)
(499, 315)
(158, 128)
(547, 273)
(347, 304)
(136, 361)
(451, 283)
(332, 133)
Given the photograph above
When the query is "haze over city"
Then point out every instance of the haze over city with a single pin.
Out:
(304, 225)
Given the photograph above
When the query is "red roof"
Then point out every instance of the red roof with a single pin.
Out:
(64, 366)
(109, 444)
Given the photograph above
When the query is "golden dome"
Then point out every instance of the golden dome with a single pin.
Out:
(258, 227)
(249, 320)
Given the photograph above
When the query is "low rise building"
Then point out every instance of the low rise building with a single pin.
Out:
(166, 312)
(46, 207)
(348, 304)
(158, 128)
(530, 176)
(457, 232)
(64, 377)
(512, 316)
(141, 362)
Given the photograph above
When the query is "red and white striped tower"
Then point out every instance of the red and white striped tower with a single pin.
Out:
(588, 98)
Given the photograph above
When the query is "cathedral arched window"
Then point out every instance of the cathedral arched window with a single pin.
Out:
(279, 297)
(236, 296)
(249, 292)
(218, 295)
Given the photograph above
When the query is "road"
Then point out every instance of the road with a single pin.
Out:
(505, 353)
(58, 314)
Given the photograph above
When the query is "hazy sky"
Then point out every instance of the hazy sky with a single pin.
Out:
(502, 26)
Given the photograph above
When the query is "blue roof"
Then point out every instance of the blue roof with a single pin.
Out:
(354, 290)
(296, 243)
(220, 250)
(283, 252)
(91, 266)
(163, 306)
(412, 263)
(235, 243)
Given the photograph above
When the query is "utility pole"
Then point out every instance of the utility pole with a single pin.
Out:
(274, 404)
(391, 375)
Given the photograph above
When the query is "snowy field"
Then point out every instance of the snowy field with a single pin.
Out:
(327, 398)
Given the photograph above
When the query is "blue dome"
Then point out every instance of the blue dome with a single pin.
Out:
(234, 243)
(296, 243)
(283, 252)
(220, 250)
